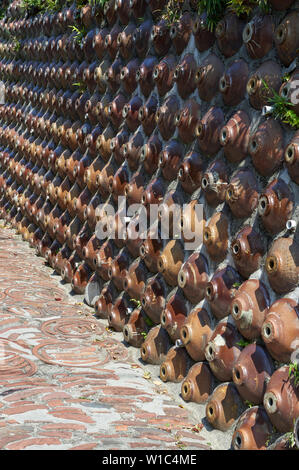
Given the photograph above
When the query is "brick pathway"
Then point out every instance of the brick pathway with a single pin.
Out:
(66, 381)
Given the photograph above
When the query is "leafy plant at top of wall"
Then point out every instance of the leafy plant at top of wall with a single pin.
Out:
(80, 33)
(245, 7)
(281, 108)
(172, 11)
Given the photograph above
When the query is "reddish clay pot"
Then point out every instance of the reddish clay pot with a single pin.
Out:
(224, 407)
(175, 366)
(281, 400)
(249, 308)
(174, 315)
(155, 347)
(252, 372)
(222, 351)
(253, 430)
(280, 329)
(196, 333)
(198, 384)
(247, 250)
(282, 265)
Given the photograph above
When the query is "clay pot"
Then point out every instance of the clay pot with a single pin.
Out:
(193, 277)
(184, 75)
(266, 147)
(214, 182)
(288, 90)
(130, 112)
(190, 172)
(141, 38)
(128, 75)
(105, 300)
(170, 261)
(249, 308)
(282, 265)
(103, 258)
(253, 430)
(175, 366)
(281, 5)
(204, 38)
(196, 332)
(154, 348)
(220, 290)
(224, 407)
(215, 236)
(247, 250)
(228, 34)
(163, 74)
(232, 84)
(186, 121)
(270, 73)
(132, 150)
(160, 37)
(208, 131)
(207, 77)
(280, 329)
(150, 152)
(135, 279)
(144, 75)
(174, 315)
(286, 38)
(153, 298)
(222, 351)
(165, 116)
(80, 278)
(198, 384)
(180, 32)
(146, 115)
(276, 205)
(258, 36)
(234, 137)
(242, 193)
(252, 372)
(118, 269)
(170, 159)
(281, 400)
(291, 158)
(119, 313)
(150, 251)
(135, 329)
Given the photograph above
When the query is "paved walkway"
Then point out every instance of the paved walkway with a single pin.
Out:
(66, 381)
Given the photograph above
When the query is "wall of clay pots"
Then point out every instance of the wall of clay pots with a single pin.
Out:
(127, 105)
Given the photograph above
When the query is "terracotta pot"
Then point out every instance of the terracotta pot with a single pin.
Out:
(175, 366)
(170, 261)
(174, 315)
(222, 351)
(153, 298)
(198, 384)
(281, 400)
(234, 137)
(258, 36)
(193, 277)
(266, 147)
(224, 407)
(282, 265)
(232, 84)
(215, 236)
(228, 34)
(196, 332)
(242, 193)
(252, 372)
(276, 205)
(253, 430)
(154, 348)
(280, 329)
(286, 38)
(249, 308)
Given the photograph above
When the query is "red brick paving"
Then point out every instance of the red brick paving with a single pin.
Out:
(65, 381)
